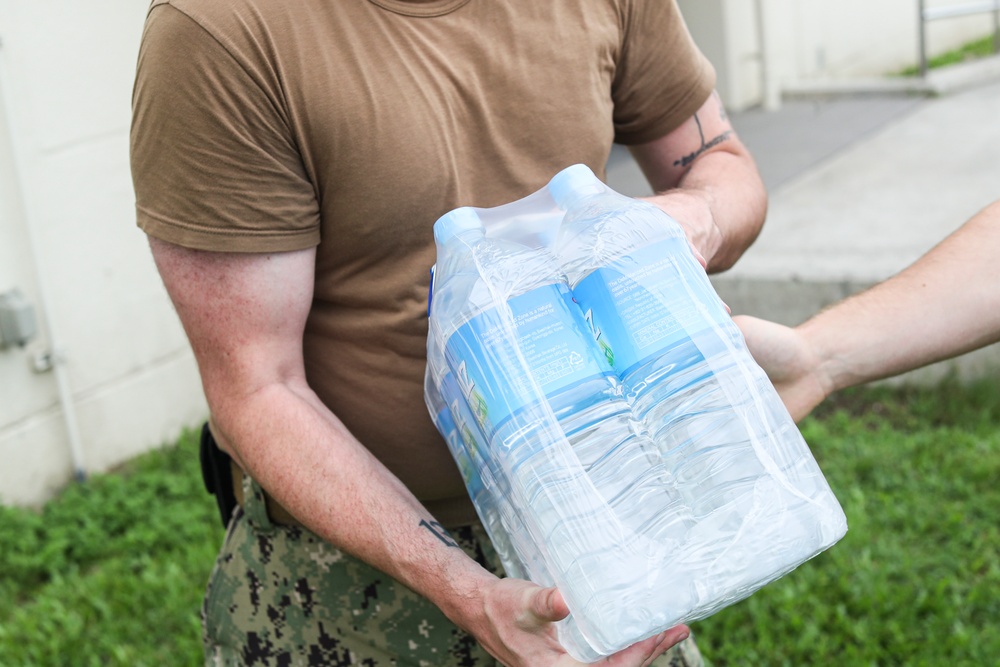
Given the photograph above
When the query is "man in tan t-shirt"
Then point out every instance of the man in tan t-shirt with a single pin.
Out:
(290, 159)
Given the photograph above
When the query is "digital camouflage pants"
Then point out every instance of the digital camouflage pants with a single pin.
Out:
(280, 596)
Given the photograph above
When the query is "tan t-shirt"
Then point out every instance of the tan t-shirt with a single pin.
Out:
(276, 125)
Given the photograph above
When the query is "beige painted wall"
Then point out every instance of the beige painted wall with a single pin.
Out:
(66, 73)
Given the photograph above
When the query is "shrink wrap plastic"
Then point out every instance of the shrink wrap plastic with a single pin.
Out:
(615, 435)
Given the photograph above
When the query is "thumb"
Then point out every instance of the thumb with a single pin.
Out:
(547, 605)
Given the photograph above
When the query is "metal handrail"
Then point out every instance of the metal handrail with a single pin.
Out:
(928, 14)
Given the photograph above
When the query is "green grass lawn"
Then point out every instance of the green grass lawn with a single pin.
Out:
(916, 581)
(112, 572)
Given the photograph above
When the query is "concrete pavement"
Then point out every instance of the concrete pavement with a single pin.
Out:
(860, 186)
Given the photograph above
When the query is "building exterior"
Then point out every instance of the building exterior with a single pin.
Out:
(109, 373)
(122, 379)
(763, 48)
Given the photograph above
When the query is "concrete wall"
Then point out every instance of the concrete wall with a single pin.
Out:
(68, 241)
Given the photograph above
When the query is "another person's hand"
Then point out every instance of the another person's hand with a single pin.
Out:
(520, 629)
(789, 361)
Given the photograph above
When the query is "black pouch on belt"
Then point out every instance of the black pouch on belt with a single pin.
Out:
(216, 472)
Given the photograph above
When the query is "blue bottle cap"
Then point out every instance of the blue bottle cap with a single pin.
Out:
(572, 183)
(455, 222)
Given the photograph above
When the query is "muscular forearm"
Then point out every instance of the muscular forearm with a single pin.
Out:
(302, 454)
(945, 304)
(244, 316)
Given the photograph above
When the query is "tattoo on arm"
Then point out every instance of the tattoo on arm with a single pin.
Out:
(705, 145)
(439, 531)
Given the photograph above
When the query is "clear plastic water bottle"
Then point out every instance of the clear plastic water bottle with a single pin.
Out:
(490, 504)
(483, 480)
(737, 456)
(490, 494)
(592, 488)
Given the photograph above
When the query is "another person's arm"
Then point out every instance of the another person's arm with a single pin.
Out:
(945, 304)
(245, 315)
(706, 179)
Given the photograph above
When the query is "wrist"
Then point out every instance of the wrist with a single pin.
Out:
(463, 596)
(826, 370)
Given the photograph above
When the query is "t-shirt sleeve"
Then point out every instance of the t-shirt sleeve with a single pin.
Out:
(661, 78)
(214, 162)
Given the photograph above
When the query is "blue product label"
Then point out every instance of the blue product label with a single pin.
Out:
(647, 302)
(502, 360)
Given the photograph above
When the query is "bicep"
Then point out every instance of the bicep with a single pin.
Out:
(244, 314)
(667, 161)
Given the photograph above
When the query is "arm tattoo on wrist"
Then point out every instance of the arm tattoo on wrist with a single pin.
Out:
(439, 531)
(705, 145)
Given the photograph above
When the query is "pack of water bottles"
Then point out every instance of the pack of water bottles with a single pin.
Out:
(615, 435)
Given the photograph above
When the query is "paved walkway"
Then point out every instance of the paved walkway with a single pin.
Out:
(859, 187)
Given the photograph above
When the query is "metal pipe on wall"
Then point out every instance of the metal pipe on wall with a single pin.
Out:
(922, 37)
